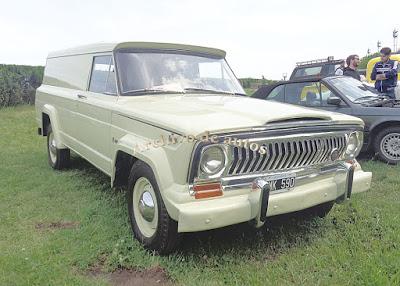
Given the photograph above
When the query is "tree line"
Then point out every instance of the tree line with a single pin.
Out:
(18, 84)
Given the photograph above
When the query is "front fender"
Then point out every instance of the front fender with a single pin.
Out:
(157, 159)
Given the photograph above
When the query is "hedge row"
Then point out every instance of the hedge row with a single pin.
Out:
(18, 84)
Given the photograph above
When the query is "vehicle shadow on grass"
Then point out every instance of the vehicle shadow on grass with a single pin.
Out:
(85, 169)
(279, 234)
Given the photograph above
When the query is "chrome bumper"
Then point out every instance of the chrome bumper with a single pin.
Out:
(247, 198)
(303, 176)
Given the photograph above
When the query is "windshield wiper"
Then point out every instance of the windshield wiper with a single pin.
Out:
(151, 91)
(212, 91)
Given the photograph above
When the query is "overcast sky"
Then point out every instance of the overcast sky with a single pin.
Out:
(260, 37)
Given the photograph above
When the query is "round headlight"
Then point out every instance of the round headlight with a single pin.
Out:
(353, 143)
(213, 160)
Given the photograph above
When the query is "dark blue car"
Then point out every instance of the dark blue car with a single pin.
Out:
(346, 95)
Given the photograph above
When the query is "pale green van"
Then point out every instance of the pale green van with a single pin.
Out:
(171, 123)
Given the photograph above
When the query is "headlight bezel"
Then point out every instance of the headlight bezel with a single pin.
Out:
(224, 149)
(353, 149)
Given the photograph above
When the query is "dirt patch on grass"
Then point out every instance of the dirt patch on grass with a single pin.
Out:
(147, 277)
(154, 276)
(57, 225)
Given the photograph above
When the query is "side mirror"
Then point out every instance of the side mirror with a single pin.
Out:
(333, 100)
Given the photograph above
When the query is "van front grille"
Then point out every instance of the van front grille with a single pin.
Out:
(287, 153)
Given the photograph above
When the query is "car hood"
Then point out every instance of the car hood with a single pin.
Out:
(194, 114)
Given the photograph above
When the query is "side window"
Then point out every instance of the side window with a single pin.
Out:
(102, 79)
(325, 93)
(277, 93)
(111, 85)
(303, 93)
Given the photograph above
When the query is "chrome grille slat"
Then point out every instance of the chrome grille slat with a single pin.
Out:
(235, 171)
(258, 165)
(310, 153)
(277, 157)
(298, 155)
(269, 160)
(320, 150)
(242, 170)
(289, 160)
(287, 153)
(328, 148)
(324, 151)
(303, 153)
(251, 164)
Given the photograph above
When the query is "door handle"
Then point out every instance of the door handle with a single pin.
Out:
(81, 96)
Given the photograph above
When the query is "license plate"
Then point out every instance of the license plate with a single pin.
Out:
(281, 182)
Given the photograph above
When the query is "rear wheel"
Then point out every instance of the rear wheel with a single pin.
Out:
(58, 158)
(387, 145)
(150, 222)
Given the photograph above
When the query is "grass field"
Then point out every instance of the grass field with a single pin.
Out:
(56, 227)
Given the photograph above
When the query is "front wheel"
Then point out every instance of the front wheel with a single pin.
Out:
(150, 222)
(387, 145)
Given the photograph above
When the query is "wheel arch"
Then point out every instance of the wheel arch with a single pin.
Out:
(125, 154)
(155, 158)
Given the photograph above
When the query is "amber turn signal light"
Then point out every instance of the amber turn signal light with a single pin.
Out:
(207, 190)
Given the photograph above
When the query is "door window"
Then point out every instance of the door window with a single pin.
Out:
(311, 94)
(303, 93)
(325, 93)
(103, 75)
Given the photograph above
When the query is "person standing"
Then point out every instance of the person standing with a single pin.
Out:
(385, 73)
(340, 69)
(352, 62)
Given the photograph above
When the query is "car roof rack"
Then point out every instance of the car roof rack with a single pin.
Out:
(329, 59)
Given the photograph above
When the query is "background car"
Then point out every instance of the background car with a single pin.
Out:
(346, 95)
(321, 67)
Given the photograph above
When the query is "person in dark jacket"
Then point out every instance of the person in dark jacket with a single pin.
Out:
(385, 73)
(352, 62)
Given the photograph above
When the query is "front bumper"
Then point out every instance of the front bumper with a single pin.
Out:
(241, 203)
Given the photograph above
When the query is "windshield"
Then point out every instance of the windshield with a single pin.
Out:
(353, 89)
(174, 72)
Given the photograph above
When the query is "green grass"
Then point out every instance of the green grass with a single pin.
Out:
(358, 243)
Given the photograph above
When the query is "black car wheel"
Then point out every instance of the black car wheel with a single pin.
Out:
(387, 145)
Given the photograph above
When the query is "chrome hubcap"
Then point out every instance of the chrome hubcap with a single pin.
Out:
(390, 145)
(52, 147)
(146, 206)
